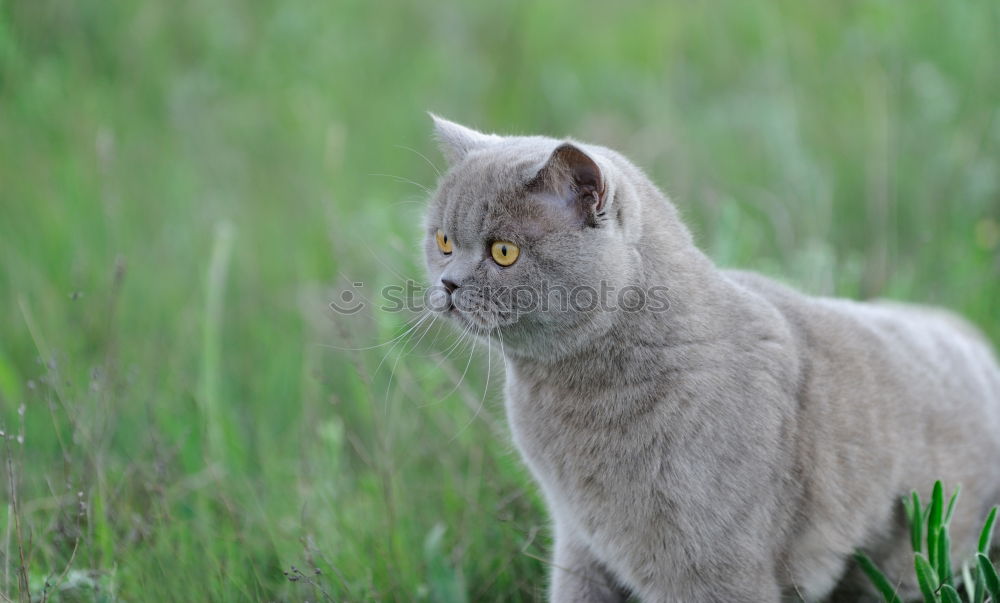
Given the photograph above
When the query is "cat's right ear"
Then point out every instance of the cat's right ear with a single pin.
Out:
(575, 179)
(456, 141)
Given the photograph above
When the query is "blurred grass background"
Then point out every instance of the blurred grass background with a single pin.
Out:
(185, 185)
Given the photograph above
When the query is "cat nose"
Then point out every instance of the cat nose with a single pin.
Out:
(449, 284)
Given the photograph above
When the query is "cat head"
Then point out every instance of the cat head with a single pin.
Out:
(525, 238)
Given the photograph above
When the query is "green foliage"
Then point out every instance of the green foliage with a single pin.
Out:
(949, 594)
(445, 583)
(934, 524)
(927, 578)
(986, 536)
(185, 186)
(882, 584)
(934, 570)
(990, 576)
(915, 517)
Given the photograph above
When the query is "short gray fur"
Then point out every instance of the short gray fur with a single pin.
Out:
(737, 447)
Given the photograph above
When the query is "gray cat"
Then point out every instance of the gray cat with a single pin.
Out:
(736, 443)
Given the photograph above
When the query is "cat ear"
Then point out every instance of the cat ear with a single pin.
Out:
(456, 141)
(571, 175)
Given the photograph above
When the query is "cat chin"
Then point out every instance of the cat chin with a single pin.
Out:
(489, 327)
(471, 322)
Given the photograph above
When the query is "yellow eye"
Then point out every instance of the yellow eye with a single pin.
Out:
(504, 253)
(444, 243)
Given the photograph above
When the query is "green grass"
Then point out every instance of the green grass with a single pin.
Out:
(932, 560)
(184, 186)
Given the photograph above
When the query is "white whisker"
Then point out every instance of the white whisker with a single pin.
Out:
(379, 259)
(422, 156)
(503, 352)
(404, 180)
(403, 352)
(451, 348)
(472, 353)
(423, 317)
(409, 325)
(430, 325)
(486, 388)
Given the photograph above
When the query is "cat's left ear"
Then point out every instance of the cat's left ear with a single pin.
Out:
(575, 179)
(457, 141)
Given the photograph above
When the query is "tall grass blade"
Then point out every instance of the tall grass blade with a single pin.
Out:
(968, 582)
(211, 359)
(986, 536)
(944, 557)
(949, 594)
(989, 577)
(926, 578)
(877, 578)
(934, 522)
(917, 524)
(446, 582)
(979, 590)
(951, 505)
(103, 530)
